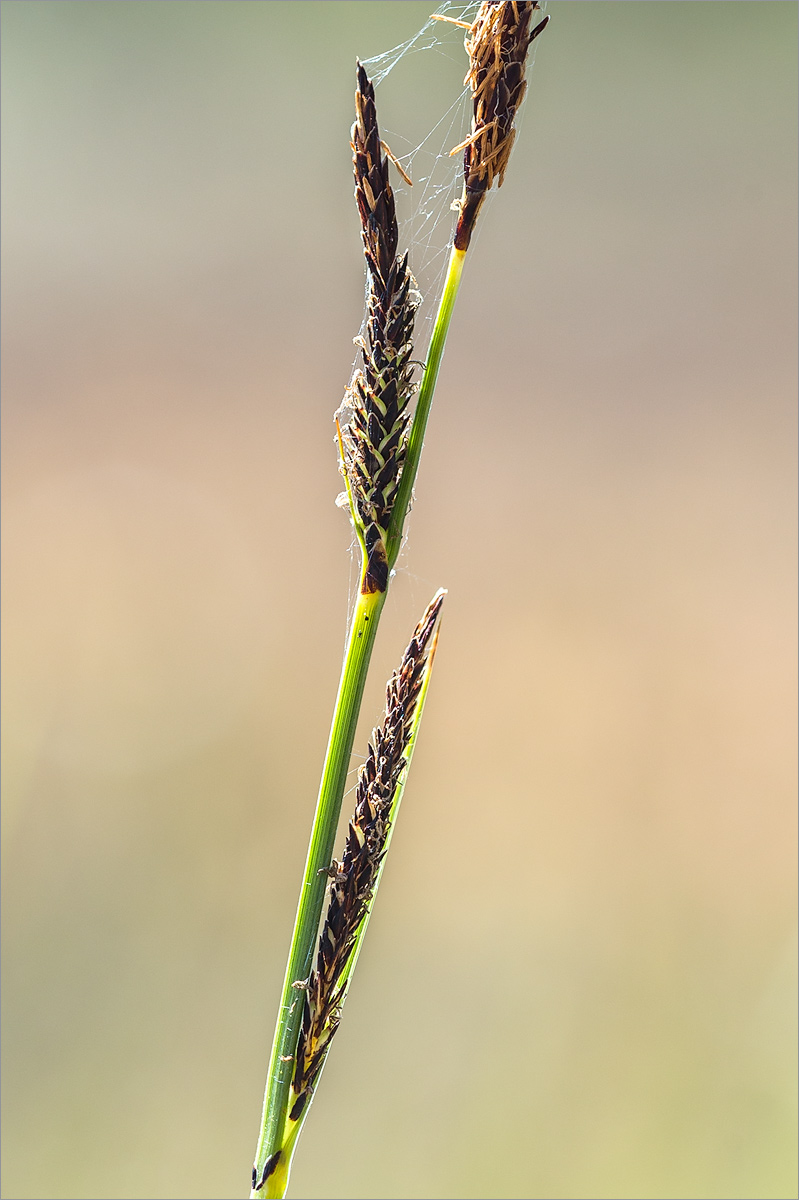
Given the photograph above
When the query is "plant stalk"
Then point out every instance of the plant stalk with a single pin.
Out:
(278, 1181)
(424, 400)
(365, 620)
(320, 852)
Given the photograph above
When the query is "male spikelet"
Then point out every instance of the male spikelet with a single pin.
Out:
(496, 42)
(374, 440)
(354, 878)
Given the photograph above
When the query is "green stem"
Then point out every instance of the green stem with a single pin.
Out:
(277, 1183)
(273, 1137)
(334, 777)
(424, 400)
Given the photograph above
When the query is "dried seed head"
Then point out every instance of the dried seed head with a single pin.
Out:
(354, 878)
(497, 44)
(374, 439)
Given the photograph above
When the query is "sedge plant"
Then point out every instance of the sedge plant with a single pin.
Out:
(380, 447)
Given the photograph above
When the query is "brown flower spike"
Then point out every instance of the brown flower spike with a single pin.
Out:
(497, 43)
(354, 878)
(374, 440)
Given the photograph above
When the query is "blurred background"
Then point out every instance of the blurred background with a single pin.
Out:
(580, 980)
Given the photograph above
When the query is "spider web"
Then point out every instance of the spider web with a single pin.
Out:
(426, 210)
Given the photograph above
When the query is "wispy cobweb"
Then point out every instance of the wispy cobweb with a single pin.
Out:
(427, 228)
(429, 37)
(425, 210)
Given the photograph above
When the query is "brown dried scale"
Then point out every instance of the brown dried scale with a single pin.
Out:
(374, 440)
(497, 43)
(353, 879)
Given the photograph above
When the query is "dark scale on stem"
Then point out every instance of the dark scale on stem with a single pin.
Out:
(270, 1166)
(375, 437)
(354, 878)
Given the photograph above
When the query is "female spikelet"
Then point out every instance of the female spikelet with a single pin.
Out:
(374, 440)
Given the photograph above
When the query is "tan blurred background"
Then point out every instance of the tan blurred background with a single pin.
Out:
(580, 979)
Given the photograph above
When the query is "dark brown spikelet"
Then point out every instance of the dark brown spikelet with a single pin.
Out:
(353, 879)
(497, 44)
(374, 440)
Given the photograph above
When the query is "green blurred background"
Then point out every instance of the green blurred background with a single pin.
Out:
(580, 978)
